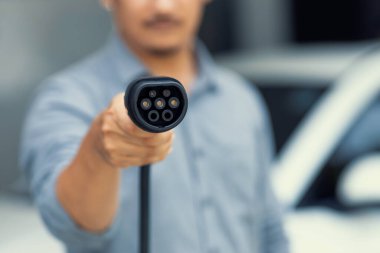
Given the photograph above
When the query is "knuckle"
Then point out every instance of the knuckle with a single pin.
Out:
(108, 114)
(106, 129)
(109, 110)
(106, 125)
(109, 145)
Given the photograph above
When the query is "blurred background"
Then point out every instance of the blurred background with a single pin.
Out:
(315, 62)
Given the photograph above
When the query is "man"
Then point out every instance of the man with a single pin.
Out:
(81, 152)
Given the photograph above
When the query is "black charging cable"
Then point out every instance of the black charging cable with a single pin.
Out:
(156, 105)
(144, 208)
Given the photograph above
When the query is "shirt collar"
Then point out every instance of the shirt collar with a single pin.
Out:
(126, 65)
(129, 67)
(206, 79)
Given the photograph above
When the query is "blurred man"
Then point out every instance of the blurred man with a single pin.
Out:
(210, 187)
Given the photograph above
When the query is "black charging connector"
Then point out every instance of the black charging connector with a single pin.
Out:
(156, 105)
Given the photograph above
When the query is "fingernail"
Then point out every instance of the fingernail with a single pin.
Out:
(170, 150)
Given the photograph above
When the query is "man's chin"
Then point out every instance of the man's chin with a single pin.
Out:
(163, 50)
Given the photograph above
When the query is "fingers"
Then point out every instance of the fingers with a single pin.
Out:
(125, 147)
(123, 120)
(159, 139)
(128, 129)
(154, 141)
(124, 144)
(148, 152)
(132, 155)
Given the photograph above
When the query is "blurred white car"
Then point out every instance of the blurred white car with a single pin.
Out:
(342, 130)
(327, 174)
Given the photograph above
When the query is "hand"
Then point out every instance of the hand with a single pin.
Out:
(122, 144)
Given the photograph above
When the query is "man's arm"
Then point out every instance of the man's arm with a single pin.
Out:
(88, 188)
(71, 156)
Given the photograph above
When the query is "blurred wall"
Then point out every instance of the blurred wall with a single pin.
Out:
(262, 24)
(37, 38)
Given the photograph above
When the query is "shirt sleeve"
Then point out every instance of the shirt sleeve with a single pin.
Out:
(56, 123)
(272, 235)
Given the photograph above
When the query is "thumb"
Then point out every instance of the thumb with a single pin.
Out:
(124, 121)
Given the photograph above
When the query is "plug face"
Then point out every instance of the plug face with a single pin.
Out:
(156, 104)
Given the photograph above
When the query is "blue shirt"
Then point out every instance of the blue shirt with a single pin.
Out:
(210, 195)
